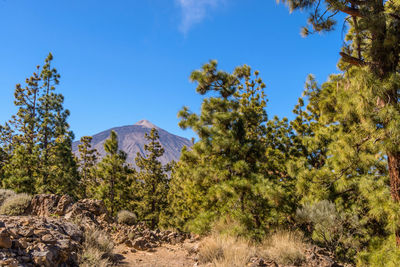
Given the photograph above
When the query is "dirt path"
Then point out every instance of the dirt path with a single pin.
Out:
(166, 255)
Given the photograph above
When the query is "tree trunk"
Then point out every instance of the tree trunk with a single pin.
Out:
(394, 174)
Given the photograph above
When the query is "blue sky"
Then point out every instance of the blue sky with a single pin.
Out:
(125, 60)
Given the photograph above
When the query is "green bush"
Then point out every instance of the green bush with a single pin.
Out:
(16, 205)
(126, 217)
(5, 194)
(337, 231)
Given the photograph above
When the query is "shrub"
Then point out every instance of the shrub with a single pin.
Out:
(93, 257)
(126, 217)
(286, 248)
(338, 231)
(16, 205)
(97, 249)
(210, 249)
(5, 194)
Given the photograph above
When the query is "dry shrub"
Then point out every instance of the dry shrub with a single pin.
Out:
(284, 248)
(210, 249)
(223, 250)
(93, 257)
(16, 205)
(97, 249)
(126, 217)
(5, 194)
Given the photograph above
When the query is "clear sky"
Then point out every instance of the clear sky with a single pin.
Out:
(125, 60)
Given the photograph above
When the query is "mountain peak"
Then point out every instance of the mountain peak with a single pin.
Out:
(146, 124)
(131, 139)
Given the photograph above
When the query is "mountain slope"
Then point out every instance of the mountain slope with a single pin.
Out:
(131, 140)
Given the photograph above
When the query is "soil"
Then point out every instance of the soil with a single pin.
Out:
(167, 255)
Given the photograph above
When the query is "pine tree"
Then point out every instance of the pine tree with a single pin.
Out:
(226, 175)
(88, 159)
(113, 173)
(64, 175)
(37, 139)
(21, 136)
(48, 105)
(370, 58)
(338, 164)
(154, 180)
(59, 168)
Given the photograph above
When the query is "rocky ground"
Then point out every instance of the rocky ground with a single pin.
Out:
(52, 230)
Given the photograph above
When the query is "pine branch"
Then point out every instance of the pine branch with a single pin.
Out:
(355, 12)
(352, 11)
(353, 60)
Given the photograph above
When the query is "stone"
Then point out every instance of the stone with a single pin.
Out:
(26, 232)
(140, 244)
(5, 240)
(40, 232)
(43, 204)
(25, 222)
(128, 243)
(48, 239)
(21, 243)
(64, 203)
(64, 244)
(73, 231)
(44, 258)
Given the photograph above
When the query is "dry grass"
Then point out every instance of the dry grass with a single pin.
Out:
(97, 249)
(284, 248)
(5, 194)
(93, 257)
(16, 205)
(224, 251)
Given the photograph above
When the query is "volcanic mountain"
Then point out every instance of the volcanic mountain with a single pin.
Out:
(131, 140)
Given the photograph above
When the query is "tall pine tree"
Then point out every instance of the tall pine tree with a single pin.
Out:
(87, 164)
(37, 139)
(153, 180)
(20, 135)
(113, 172)
(370, 58)
(226, 175)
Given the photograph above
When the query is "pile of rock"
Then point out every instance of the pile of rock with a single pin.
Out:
(38, 241)
(86, 211)
(140, 237)
(48, 234)
(90, 212)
